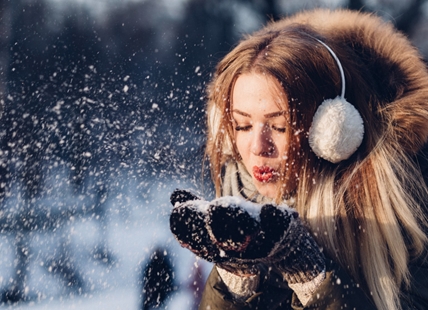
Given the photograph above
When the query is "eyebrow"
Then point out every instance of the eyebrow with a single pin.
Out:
(268, 115)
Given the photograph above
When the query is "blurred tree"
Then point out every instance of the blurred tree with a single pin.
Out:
(64, 267)
(356, 5)
(5, 30)
(410, 17)
(15, 290)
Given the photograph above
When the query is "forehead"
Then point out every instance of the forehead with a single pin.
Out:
(256, 92)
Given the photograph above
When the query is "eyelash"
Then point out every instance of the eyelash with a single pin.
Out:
(247, 128)
(243, 128)
(279, 129)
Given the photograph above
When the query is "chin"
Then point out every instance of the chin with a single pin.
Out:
(268, 190)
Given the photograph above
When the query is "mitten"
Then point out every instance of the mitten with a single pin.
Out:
(238, 234)
(277, 237)
(189, 224)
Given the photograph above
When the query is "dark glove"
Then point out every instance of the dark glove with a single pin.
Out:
(238, 235)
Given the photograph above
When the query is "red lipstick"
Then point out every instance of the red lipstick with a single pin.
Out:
(263, 174)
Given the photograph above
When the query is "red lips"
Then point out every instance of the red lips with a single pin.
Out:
(263, 174)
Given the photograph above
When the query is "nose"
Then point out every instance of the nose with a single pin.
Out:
(262, 143)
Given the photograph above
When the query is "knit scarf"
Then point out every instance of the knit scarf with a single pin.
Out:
(237, 181)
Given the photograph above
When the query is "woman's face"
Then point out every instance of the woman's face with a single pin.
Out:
(260, 129)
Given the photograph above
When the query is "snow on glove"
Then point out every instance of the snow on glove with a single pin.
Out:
(188, 223)
(238, 234)
(280, 238)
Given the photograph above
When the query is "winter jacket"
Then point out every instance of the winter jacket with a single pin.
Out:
(338, 290)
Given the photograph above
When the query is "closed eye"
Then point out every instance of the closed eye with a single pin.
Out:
(279, 129)
(243, 128)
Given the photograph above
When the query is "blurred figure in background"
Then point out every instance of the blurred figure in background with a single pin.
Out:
(157, 280)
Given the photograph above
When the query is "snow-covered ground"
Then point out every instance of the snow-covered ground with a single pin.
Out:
(115, 299)
(129, 230)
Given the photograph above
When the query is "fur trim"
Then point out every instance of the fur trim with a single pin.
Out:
(394, 62)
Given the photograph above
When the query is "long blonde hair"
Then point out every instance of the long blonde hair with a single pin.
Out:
(365, 211)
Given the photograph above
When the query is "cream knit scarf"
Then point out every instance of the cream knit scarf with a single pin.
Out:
(237, 182)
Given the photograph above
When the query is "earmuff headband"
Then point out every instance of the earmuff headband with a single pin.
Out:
(339, 65)
(337, 128)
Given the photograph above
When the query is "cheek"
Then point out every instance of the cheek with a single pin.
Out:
(281, 144)
(242, 143)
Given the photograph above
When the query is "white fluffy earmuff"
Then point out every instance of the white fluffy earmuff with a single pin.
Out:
(337, 128)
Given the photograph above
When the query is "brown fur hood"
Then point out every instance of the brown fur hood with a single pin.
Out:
(399, 75)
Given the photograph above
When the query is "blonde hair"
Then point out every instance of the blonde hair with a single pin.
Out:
(366, 211)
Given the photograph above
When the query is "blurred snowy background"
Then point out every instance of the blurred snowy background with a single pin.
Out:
(103, 107)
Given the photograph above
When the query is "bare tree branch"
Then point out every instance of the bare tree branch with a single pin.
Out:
(356, 5)
(410, 17)
(5, 29)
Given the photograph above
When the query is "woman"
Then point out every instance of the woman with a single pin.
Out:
(282, 133)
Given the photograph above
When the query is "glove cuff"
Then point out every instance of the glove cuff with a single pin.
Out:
(240, 287)
(305, 270)
(304, 291)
